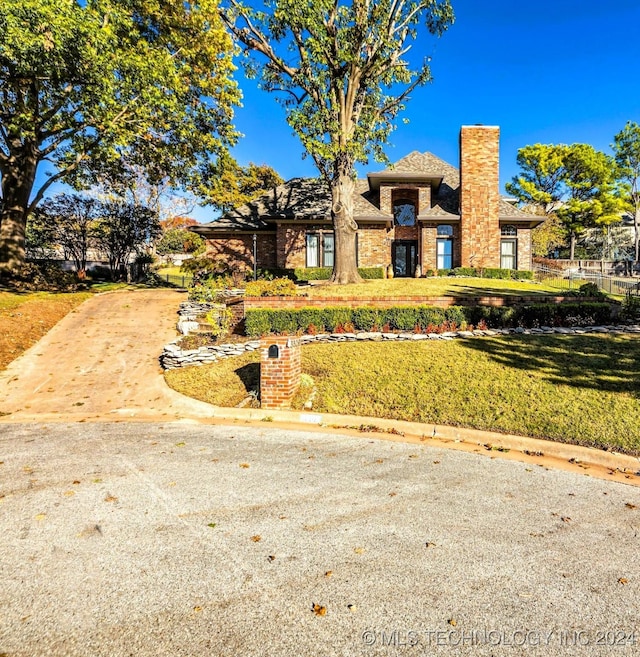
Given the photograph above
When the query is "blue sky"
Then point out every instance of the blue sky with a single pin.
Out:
(549, 71)
(560, 71)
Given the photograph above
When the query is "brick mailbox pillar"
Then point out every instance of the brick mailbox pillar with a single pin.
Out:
(280, 368)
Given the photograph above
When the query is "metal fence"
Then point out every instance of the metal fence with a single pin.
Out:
(181, 280)
(572, 279)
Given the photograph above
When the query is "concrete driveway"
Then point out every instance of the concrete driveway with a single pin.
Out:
(175, 537)
(101, 362)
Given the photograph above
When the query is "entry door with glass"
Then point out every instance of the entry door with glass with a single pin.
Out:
(404, 257)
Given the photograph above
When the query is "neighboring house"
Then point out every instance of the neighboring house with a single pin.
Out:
(419, 212)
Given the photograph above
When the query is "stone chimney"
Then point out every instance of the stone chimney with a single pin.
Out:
(479, 196)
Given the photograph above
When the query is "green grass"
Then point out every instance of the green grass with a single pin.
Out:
(224, 383)
(433, 287)
(576, 389)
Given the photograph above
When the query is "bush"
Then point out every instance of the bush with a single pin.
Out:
(407, 318)
(324, 273)
(44, 276)
(208, 289)
(464, 271)
(630, 307)
(278, 287)
(366, 319)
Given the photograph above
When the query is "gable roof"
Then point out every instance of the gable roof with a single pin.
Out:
(309, 199)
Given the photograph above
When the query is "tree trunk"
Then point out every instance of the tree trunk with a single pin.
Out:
(17, 183)
(345, 266)
(572, 245)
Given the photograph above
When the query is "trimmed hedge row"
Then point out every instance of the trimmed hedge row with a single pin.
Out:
(324, 273)
(406, 318)
(488, 272)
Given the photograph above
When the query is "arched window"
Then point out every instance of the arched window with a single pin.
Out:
(444, 230)
(508, 231)
(404, 212)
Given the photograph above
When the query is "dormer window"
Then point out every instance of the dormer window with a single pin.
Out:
(404, 212)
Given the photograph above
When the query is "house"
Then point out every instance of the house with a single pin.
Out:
(421, 212)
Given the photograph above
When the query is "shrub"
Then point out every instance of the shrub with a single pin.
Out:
(631, 307)
(219, 319)
(324, 273)
(277, 287)
(429, 315)
(333, 316)
(258, 322)
(364, 318)
(464, 271)
(205, 290)
(401, 318)
(455, 314)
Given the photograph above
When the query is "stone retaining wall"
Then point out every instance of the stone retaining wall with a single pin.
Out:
(173, 356)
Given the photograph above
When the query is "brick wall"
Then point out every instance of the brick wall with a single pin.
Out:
(373, 245)
(235, 251)
(279, 377)
(479, 196)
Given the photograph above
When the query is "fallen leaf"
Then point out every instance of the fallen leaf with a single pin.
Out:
(436, 462)
(319, 610)
(352, 607)
(565, 519)
(328, 573)
(197, 608)
(211, 524)
(244, 465)
(110, 498)
(429, 544)
(392, 494)
(75, 481)
(41, 516)
(180, 444)
(69, 493)
(257, 538)
(359, 550)
(271, 557)
(172, 483)
(623, 580)
(630, 506)
(452, 621)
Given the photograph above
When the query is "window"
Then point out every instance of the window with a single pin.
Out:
(444, 253)
(320, 249)
(508, 231)
(444, 247)
(508, 254)
(404, 212)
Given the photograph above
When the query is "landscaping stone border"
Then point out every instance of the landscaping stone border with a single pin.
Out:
(173, 356)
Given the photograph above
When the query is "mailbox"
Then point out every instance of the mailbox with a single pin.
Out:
(274, 351)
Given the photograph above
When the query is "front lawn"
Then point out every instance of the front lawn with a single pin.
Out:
(433, 287)
(26, 317)
(579, 389)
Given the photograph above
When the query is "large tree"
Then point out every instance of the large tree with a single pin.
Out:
(344, 70)
(225, 185)
(576, 183)
(69, 220)
(83, 82)
(626, 148)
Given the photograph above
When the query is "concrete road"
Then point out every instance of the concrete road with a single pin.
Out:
(181, 539)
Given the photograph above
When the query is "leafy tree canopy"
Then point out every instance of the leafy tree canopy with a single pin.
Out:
(626, 148)
(226, 185)
(343, 71)
(84, 82)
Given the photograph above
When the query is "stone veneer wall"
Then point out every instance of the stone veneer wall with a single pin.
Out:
(479, 196)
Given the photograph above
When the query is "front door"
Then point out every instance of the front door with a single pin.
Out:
(404, 255)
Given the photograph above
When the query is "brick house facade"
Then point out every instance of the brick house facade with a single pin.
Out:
(420, 213)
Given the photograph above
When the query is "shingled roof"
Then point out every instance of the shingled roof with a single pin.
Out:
(310, 199)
